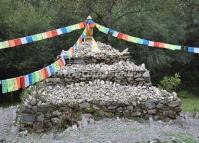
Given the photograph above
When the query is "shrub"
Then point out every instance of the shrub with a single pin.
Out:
(170, 83)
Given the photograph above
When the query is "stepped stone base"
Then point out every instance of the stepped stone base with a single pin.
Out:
(124, 73)
(58, 106)
(104, 84)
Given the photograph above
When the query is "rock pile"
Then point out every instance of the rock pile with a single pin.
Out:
(124, 73)
(101, 89)
(107, 54)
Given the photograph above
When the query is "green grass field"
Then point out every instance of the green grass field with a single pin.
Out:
(190, 102)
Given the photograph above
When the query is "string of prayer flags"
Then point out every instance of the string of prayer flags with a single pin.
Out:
(41, 36)
(10, 85)
(102, 28)
(13, 84)
(73, 51)
(141, 41)
(193, 50)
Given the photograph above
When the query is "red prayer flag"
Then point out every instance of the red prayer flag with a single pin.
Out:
(17, 42)
(156, 44)
(82, 25)
(49, 34)
(161, 45)
(61, 64)
(18, 82)
(92, 25)
(43, 73)
(125, 37)
(54, 33)
(22, 79)
(11, 43)
(120, 35)
(46, 73)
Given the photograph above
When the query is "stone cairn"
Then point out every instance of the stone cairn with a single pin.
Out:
(102, 85)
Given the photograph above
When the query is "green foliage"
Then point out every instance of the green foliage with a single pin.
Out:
(170, 83)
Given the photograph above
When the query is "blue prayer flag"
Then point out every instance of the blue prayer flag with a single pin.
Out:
(30, 79)
(64, 30)
(51, 69)
(191, 49)
(29, 39)
(145, 42)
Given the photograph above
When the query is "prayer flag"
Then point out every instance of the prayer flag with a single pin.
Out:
(17, 42)
(29, 39)
(22, 79)
(54, 33)
(196, 50)
(27, 81)
(191, 49)
(59, 31)
(23, 40)
(4, 86)
(44, 35)
(11, 43)
(49, 34)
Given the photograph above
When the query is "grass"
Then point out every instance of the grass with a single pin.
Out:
(190, 102)
(181, 137)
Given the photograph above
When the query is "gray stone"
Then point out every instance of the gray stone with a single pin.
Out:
(40, 118)
(56, 120)
(120, 109)
(174, 103)
(130, 108)
(84, 105)
(28, 117)
(160, 106)
(33, 102)
(172, 114)
(153, 111)
(56, 113)
(150, 105)
(43, 108)
(146, 74)
(112, 107)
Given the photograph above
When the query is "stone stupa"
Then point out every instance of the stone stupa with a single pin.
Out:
(101, 84)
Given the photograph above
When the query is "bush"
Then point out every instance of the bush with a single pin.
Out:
(170, 83)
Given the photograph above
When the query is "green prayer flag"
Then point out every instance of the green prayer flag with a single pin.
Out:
(54, 68)
(73, 27)
(44, 35)
(34, 38)
(36, 77)
(133, 39)
(169, 46)
(5, 44)
(39, 37)
(10, 84)
(4, 86)
(1, 45)
(33, 75)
